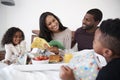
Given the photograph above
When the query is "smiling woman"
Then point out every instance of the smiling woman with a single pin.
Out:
(51, 28)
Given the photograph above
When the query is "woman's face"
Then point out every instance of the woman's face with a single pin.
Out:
(52, 23)
(17, 38)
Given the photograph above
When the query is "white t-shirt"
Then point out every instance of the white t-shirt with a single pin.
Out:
(65, 37)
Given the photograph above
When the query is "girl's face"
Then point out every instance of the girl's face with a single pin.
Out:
(52, 23)
(17, 38)
(97, 46)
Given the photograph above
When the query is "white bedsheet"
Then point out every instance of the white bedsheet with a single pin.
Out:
(35, 72)
(30, 72)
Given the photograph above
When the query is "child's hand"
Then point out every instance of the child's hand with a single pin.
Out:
(66, 73)
(7, 62)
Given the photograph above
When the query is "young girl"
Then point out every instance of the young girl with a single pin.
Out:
(13, 41)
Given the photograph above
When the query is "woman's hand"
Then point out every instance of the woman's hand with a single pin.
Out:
(53, 49)
(66, 73)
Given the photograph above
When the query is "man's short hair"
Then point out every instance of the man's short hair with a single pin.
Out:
(96, 13)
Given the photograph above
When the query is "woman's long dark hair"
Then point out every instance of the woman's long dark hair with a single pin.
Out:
(44, 31)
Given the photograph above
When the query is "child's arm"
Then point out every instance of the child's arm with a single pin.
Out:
(66, 73)
(10, 50)
(23, 47)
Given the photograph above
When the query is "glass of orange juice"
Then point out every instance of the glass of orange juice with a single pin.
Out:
(68, 57)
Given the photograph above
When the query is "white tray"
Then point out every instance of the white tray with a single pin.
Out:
(41, 67)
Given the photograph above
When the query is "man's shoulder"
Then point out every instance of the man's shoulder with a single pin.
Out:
(79, 30)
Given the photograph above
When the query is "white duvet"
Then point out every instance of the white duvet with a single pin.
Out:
(30, 72)
(36, 72)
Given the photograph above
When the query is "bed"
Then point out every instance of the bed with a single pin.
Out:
(36, 72)
(30, 72)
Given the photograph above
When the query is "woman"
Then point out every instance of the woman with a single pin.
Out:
(52, 29)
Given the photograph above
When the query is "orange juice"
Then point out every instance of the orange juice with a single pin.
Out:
(67, 57)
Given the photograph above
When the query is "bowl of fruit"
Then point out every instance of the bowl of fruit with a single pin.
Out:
(40, 60)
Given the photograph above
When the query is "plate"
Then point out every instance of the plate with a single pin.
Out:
(42, 67)
(38, 62)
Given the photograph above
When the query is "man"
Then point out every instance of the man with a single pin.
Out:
(85, 34)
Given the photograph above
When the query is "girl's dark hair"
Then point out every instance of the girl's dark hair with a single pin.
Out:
(9, 34)
(44, 31)
(111, 35)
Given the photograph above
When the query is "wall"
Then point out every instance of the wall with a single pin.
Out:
(25, 14)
